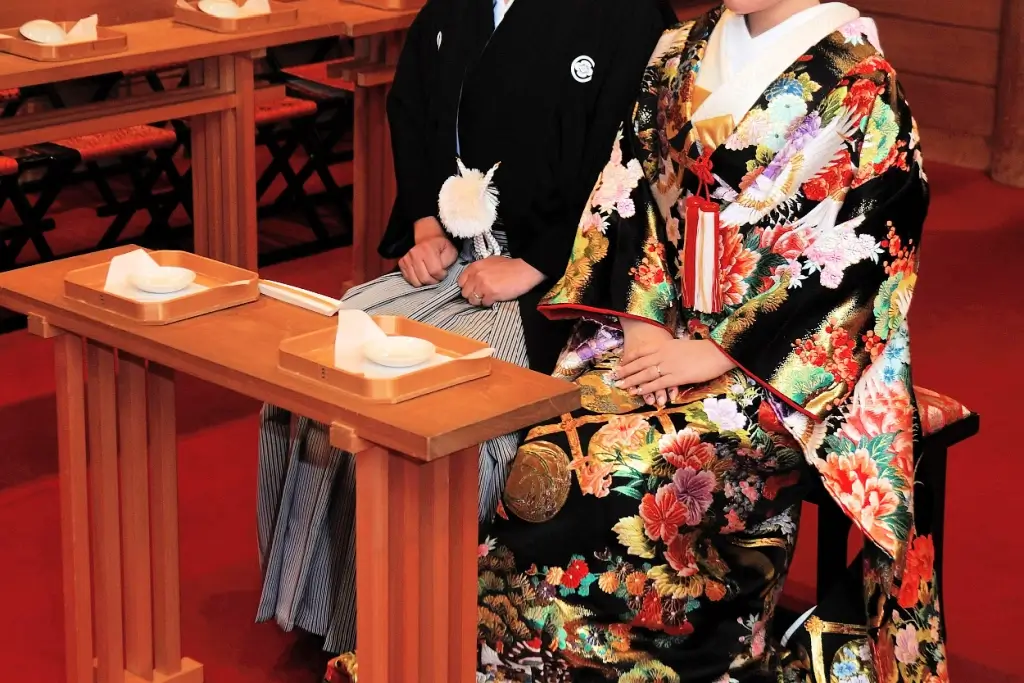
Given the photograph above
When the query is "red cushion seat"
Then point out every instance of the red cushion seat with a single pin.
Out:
(938, 411)
(9, 94)
(283, 109)
(8, 166)
(120, 142)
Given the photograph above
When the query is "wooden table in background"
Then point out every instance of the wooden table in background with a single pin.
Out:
(219, 103)
(416, 512)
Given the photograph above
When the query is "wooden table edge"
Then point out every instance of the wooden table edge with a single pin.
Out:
(421, 447)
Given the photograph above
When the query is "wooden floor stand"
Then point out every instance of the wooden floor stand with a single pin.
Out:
(118, 455)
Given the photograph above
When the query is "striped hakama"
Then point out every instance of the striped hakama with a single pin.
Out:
(307, 488)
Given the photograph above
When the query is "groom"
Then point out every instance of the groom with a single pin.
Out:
(539, 86)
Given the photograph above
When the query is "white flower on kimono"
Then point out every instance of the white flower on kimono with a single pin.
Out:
(725, 413)
(834, 249)
(617, 183)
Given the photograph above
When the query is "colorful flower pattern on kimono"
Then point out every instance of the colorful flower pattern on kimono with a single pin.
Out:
(702, 499)
(823, 198)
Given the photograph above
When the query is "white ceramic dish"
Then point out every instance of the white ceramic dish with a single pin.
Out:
(43, 32)
(164, 280)
(399, 352)
(222, 9)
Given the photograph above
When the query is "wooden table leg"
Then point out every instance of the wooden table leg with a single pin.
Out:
(224, 165)
(416, 544)
(134, 495)
(106, 518)
(163, 465)
(74, 507)
(138, 585)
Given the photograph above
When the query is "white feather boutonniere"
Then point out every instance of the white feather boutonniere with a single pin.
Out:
(468, 208)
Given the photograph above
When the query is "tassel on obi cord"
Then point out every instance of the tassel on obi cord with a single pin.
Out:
(702, 250)
(468, 208)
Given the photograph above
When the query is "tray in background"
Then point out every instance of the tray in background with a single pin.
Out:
(281, 15)
(227, 286)
(108, 41)
(312, 355)
(392, 5)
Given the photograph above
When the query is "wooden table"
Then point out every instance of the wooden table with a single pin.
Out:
(416, 470)
(219, 103)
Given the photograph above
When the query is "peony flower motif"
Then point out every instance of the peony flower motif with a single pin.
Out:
(738, 264)
(877, 408)
(593, 476)
(625, 432)
(725, 413)
(853, 479)
(662, 514)
(685, 449)
(694, 490)
(907, 650)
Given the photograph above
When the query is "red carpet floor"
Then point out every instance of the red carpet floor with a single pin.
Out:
(968, 320)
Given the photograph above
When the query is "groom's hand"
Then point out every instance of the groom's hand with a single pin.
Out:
(498, 278)
(427, 263)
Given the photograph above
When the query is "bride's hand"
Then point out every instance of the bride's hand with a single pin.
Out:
(673, 364)
(642, 339)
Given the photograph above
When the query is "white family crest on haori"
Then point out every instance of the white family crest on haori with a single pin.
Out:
(468, 208)
(583, 69)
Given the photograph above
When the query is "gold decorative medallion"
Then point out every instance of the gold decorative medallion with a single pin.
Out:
(538, 485)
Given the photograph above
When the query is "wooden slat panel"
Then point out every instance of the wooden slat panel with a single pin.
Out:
(949, 52)
(961, 108)
(17, 12)
(966, 151)
(975, 13)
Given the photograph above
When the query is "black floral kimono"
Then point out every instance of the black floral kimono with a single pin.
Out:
(639, 544)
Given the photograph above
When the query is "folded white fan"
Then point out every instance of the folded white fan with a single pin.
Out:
(303, 298)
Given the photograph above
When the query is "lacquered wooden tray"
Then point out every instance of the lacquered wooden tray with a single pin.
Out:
(108, 41)
(280, 15)
(312, 355)
(226, 287)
